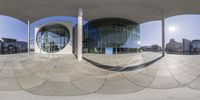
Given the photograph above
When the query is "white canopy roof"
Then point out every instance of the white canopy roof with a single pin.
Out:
(137, 10)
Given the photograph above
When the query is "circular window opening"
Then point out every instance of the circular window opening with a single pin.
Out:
(52, 38)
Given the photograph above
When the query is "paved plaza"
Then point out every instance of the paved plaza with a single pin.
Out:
(149, 76)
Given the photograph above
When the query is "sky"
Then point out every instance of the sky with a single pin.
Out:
(177, 27)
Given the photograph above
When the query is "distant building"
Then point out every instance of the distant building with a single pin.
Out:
(156, 48)
(195, 46)
(151, 48)
(186, 45)
(1, 44)
(174, 46)
(146, 48)
(9, 46)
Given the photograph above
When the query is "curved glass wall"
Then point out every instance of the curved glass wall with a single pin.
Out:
(52, 38)
(121, 35)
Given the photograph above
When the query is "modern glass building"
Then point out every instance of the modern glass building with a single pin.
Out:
(120, 35)
(195, 46)
(52, 38)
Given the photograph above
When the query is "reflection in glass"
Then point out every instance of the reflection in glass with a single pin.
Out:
(120, 34)
(52, 38)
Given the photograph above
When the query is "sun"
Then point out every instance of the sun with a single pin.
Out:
(172, 28)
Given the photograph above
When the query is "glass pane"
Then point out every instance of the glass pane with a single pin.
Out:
(52, 38)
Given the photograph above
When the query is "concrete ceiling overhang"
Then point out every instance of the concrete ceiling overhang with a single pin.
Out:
(137, 10)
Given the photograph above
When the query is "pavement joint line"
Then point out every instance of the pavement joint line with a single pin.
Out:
(108, 73)
(149, 82)
(172, 74)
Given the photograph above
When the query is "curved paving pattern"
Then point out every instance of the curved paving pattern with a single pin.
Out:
(122, 62)
(64, 76)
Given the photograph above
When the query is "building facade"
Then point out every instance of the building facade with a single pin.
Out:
(174, 46)
(118, 35)
(154, 48)
(188, 47)
(10, 46)
(54, 38)
(195, 46)
(1, 46)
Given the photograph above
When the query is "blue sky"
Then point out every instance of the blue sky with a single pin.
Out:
(186, 26)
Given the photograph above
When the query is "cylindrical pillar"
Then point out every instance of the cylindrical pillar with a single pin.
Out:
(79, 34)
(28, 43)
(163, 35)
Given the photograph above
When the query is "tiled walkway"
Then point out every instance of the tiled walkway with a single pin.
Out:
(64, 76)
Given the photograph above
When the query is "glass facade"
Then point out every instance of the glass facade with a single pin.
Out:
(12, 46)
(195, 46)
(120, 34)
(52, 38)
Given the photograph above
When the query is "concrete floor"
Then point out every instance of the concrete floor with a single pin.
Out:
(174, 77)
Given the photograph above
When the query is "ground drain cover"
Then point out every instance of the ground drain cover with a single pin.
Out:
(55, 66)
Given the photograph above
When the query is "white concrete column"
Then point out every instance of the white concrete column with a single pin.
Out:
(28, 43)
(79, 34)
(163, 35)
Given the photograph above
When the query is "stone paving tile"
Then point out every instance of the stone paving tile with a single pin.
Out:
(139, 79)
(89, 84)
(93, 70)
(9, 84)
(43, 74)
(195, 84)
(30, 81)
(59, 77)
(22, 73)
(7, 74)
(9, 66)
(185, 78)
(50, 88)
(2, 65)
(174, 69)
(74, 76)
(112, 60)
(193, 71)
(18, 66)
(118, 87)
(164, 83)
(114, 76)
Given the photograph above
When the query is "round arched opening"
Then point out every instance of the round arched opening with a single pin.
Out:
(53, 38)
